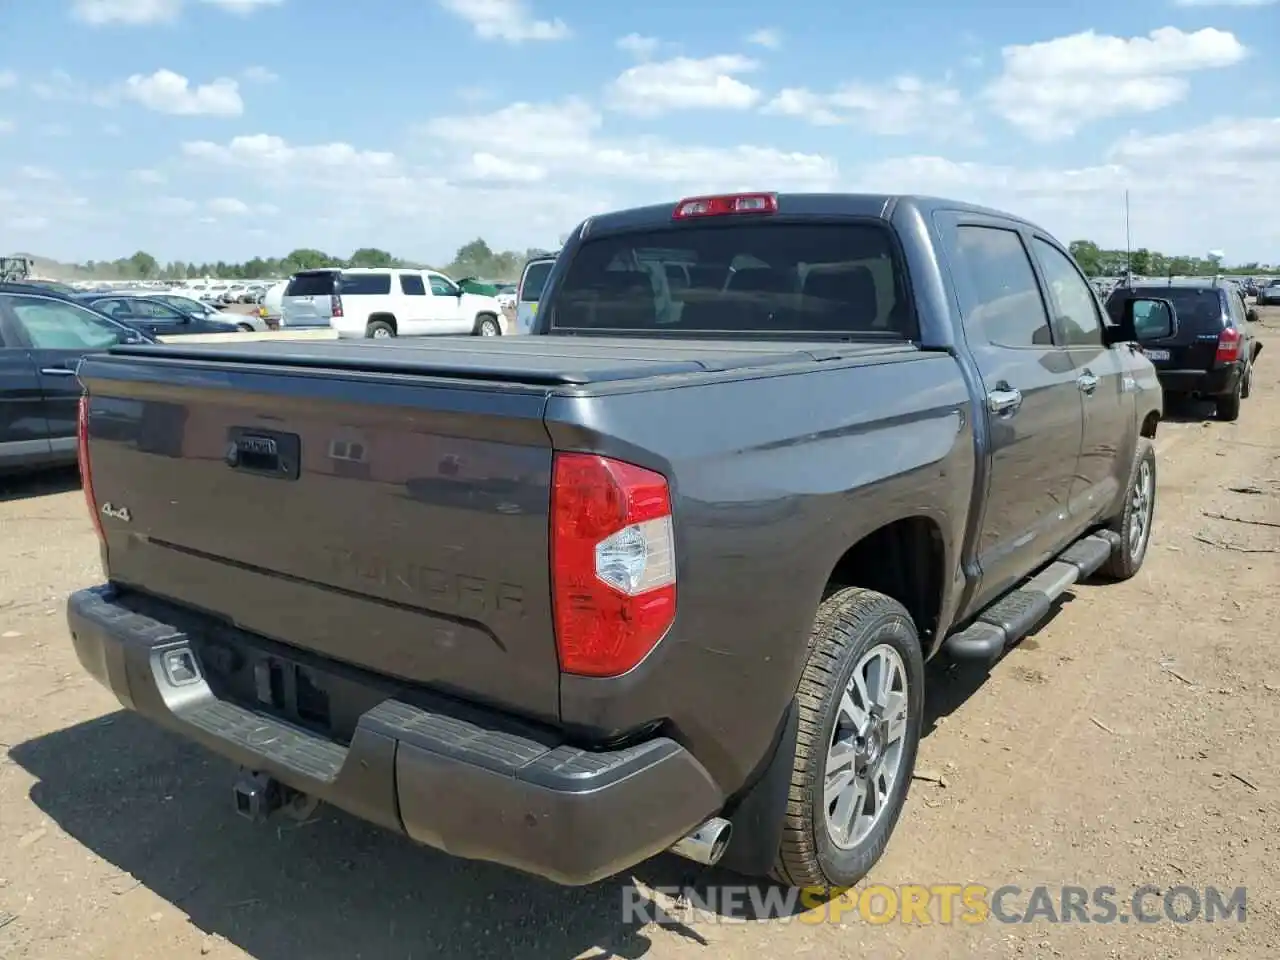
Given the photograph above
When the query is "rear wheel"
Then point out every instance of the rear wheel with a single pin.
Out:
(487, 326)
(1229, 404)
(1134, 522)
(1247, 388)
(861, 700)
(245, 328)
(379, 330)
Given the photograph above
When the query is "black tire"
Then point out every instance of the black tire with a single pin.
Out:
(849, 624)
(1246, 388)
(487, 321)
(1228, 405)
(379, 329)
(1126, 559)
(245, 328)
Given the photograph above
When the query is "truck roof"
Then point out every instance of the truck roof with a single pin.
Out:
(877, 205)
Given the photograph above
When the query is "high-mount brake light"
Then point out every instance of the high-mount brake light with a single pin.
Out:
(613, 565)
(725, 205)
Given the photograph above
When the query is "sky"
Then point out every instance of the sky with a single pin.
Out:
(226, 129)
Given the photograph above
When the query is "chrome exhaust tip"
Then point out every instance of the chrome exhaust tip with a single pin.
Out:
(706, 844)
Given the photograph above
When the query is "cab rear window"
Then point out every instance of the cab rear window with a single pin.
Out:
(785, 279)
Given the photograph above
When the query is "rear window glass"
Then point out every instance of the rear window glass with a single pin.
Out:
(365, 284)
(311, 285)
(779, 278)
(1196, 307)
(535, 278)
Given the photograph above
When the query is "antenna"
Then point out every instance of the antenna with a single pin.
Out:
(1128, 244)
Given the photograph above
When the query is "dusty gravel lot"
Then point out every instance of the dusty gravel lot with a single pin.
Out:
(1130, 741)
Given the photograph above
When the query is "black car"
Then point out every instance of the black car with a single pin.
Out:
(1213, 349)
(154, 316)
(43, 336)
(1269, 295)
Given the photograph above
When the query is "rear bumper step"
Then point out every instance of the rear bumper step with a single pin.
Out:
(460, 785)
(1018, 612)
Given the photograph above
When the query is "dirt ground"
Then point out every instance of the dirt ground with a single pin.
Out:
(1130, 741)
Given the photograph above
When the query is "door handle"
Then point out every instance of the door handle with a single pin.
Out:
(1004, 400)
(57, 371)
(1087, 383)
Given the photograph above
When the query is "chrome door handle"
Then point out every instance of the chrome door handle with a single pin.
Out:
(1004, 400)
(57, 371)
(1087, 383)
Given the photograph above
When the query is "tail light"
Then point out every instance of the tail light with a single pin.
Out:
(724, 205)
(335, 306)
(612, 563)
(1229, 345)
(86, 470)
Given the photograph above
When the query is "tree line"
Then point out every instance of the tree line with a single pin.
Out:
(474, 259)
(1096, 261)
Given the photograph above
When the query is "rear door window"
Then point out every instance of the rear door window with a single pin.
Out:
(365, 284)
(535, 278)
(311, 285)
(999, 295)
(784, 279)
(412, 285)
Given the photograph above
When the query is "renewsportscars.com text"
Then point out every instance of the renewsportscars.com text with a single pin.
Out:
(935, 904)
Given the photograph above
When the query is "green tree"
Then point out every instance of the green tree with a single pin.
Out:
(372, 257)
(1088, 256)
(143, 265)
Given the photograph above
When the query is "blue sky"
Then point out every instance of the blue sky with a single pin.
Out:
(224, 129)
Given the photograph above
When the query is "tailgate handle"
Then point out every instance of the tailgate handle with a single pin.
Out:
(266, 453)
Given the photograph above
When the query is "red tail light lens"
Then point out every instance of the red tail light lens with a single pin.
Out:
(1229, 344)
(335, 306)
(612, 563)
(86, 471)
(725, 205)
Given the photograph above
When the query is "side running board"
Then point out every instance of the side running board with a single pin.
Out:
(1016, 614)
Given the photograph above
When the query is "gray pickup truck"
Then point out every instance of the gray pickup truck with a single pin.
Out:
(663, 576)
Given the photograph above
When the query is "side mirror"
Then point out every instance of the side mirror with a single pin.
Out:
(1143, 320)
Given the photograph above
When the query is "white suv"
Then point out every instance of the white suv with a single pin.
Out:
(378, 303)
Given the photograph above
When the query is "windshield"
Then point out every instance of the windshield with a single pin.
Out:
(321, 284)
(782, 278)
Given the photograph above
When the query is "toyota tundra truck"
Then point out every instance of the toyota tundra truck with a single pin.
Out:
(663, 575)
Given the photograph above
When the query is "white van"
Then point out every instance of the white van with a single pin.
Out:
(379, 303)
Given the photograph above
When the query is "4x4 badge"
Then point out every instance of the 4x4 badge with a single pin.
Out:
(116, 513)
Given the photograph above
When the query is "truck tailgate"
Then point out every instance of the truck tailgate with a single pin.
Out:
(398, 524)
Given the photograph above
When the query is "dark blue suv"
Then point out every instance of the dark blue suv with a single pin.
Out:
(1213, 349)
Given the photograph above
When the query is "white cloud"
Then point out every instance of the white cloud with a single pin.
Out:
(173, 206)
(149, 176)
(7, 126)
(8, 79)
(259, 75)
(640, 47)
(37, 173)
(903, 105)
(167, 92)
(60, 87)
(767, 37)
(228, 206)
(684, 83)
(128, 12)
(511, 21)
(1053, 88)
(144, 12)
(243, 7)
(563, 144)
(31, 224)
(270, 153)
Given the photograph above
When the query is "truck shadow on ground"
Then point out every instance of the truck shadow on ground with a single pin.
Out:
(25, 486)
(159, 811)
